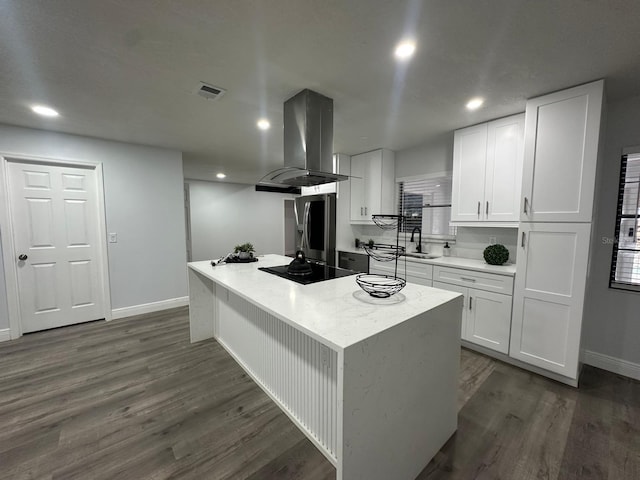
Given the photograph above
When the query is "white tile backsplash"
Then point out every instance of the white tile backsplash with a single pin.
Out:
(471, 241)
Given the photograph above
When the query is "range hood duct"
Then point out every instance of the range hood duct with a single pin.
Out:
(308, 142)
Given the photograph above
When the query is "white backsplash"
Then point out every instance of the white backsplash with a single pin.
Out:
(470, 241)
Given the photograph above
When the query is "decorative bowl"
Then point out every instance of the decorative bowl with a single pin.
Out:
(387, 222)
(380, 286)
(384, 253)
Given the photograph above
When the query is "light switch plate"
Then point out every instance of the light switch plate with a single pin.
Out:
(492, 240)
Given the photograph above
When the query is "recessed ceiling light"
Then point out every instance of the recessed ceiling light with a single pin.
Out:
(221, 175)
(405, 49)
(475, 103)
(44, 111)
(263, 124)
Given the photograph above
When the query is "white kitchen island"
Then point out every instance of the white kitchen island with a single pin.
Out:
(372, 382)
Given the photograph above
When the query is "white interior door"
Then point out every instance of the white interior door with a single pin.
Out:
(54, 214)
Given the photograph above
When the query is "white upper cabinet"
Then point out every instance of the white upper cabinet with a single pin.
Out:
(469, 161)
(372, 185)
(319, 189)
(560, 155)
(503, 175)
(487, 172)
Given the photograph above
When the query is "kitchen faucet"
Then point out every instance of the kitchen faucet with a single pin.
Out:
(419, 244)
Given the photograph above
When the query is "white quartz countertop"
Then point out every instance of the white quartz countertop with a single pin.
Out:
(335, 312)
(456, 262)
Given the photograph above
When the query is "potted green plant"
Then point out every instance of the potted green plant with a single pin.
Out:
(244, 251)
(496, 254)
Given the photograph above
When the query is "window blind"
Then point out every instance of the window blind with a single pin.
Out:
(625, 264)
(426, 203)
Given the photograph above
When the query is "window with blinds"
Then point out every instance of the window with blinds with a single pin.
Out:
(625, 265)
(425, 202)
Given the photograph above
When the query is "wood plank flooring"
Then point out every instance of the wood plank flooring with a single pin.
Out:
(133, 399)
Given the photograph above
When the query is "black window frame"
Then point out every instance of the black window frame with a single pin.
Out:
(620, 216)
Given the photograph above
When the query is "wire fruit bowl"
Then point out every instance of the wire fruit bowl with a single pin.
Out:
(384, 253)
(380, 286)
(387, 222)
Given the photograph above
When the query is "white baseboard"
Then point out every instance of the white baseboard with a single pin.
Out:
(612, 364)
(5, 335)
(149, 307)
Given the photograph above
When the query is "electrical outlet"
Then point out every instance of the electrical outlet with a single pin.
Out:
(113, 238)
(492, 240)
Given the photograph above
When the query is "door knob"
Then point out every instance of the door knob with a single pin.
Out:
(22, 257)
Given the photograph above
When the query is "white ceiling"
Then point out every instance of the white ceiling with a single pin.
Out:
(127, 69)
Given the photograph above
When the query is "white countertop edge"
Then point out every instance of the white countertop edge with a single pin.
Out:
(348, 322)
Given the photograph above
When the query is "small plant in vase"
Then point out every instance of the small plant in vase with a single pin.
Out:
(244, 251)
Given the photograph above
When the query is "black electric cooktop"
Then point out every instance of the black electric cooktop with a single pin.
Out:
(319, 273)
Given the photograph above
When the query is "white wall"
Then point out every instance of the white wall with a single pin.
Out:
(433, 156)
(226, 214)
(612, 317)
(144, 205)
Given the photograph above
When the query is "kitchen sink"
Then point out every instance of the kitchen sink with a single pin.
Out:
(420, 255)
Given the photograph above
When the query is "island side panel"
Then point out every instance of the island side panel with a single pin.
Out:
(296, 371)
(202, 303)
(399, 399)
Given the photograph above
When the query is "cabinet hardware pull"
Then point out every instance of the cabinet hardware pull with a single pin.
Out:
(467, 279)
(523, 239)
(487, 209)
(361, 210)
(478, 209)
(526, 208)
(470, 303)
(365, 210)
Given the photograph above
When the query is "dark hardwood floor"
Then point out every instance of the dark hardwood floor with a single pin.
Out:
(133, 399)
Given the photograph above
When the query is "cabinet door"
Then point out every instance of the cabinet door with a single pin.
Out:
(489, 320)
(465, 302)
(469, 159)
(560, 153)
(358, 168)
(372, 183)
(374, 192)
(503, 175)
(549, 294)
(417, 280)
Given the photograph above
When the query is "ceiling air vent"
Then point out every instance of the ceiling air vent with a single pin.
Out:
(209, 91)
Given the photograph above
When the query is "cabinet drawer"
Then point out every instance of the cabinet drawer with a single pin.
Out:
(414, 269)
(469, 278)
(357, 262)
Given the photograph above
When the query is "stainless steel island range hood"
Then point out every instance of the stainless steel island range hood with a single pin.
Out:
(308, 142)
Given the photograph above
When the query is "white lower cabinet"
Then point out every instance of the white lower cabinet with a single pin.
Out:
(549, 295)
(414, 272)
(486, 316)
